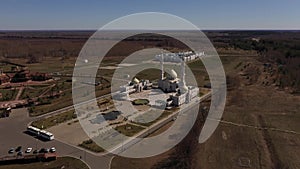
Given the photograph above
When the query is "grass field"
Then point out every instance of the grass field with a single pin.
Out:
(54, 120)
(53, 64)
(61, 162)
(91, 145)
(129, 129)
(5, 67)
(65, 99)
(150, 74)
(32, 92)
(140, 102)
(55, 104)
(8, 94)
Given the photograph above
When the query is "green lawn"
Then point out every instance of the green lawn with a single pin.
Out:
(129, 129)
(150, 74)
(62, 101)
(54, 120)
(55, 103)
(32, 92)
(91, 145)
(53, 64)
(140, 102)
(8, 94)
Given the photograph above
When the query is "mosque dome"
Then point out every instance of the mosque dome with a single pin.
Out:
(173, 74)
(136, 80)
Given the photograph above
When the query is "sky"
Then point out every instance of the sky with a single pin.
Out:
(93, 14)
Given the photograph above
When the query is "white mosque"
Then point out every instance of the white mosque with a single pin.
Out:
(179, 92)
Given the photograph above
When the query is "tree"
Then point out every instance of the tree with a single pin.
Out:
(32, 59)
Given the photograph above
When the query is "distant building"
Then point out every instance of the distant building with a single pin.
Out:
(177, 57)
(255, 39)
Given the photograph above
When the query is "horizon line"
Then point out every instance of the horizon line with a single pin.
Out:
(225, 29)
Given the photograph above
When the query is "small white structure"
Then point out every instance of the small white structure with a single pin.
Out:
(135, 86)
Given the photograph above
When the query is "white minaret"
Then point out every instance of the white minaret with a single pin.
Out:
(162, 66)
(182, 84)
(182, 73)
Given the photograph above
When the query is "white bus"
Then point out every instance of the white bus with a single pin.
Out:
(40, 133)
(46, 135)
(33, 130)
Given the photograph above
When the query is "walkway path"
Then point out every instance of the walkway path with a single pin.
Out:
(19, 93)
(256, 127)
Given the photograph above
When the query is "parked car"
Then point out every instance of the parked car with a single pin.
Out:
(35, 151)
(18, 148)
(53, 150)
(28, 150)
(42, 150)
(11, 151)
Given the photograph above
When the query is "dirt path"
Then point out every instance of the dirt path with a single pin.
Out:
(258, 127)
(46, 91)
(21, 89)
(269, 146)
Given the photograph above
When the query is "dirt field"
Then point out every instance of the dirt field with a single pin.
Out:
(260, 129)
(265, 136)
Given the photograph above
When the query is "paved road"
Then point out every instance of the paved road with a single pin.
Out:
(12, 135)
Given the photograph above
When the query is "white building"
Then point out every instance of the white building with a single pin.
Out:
(135, 86)
(182, 98)
(180, 93)
(172, 84)
(177, 57)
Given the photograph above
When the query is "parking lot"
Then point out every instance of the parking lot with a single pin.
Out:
(12, 135)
